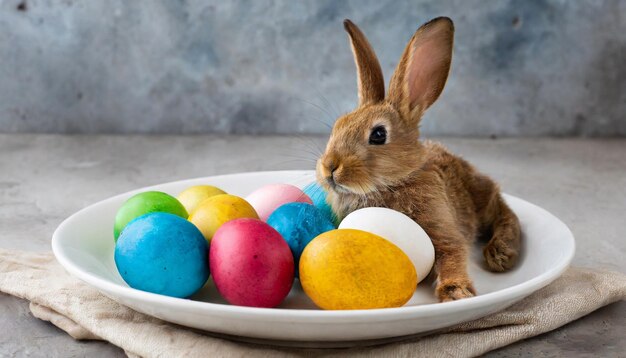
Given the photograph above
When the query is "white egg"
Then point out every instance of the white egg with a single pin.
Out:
(398, 228)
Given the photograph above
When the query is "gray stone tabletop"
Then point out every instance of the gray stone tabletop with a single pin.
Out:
(45, 178)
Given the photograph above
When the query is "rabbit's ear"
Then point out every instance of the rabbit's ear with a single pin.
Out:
(423, 69)
(369, 74)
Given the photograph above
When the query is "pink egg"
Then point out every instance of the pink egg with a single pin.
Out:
(268, 198)
(251, 264)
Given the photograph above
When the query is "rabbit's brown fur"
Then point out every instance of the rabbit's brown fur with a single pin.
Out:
(443, 193)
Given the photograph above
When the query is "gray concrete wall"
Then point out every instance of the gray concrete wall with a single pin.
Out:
(520, 68)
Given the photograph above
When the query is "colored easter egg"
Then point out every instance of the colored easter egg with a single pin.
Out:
(251, 264)
(298, 224)
(144, 203)
(318, 196)
(193, 196)
(162, 253)
(400, 230)
(213, 212)
(353, 269)
(268, 198)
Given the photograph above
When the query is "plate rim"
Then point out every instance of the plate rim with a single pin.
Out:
(288, 314)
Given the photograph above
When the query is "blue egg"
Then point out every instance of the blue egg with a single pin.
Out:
(318, 196)
(299, 223)
(162, 253)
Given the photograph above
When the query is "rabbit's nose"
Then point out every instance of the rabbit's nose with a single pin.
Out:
(332, 167)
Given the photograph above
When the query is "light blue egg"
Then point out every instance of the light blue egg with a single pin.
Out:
(298, 224)
(162, 253)
(318, 196)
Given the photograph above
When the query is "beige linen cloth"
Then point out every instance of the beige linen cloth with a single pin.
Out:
(84, 313)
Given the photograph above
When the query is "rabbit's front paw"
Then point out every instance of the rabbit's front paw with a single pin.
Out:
(454, 289)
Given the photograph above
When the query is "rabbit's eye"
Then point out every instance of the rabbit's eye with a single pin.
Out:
(378, 135)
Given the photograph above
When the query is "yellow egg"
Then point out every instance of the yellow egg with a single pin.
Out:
(354, 269)
(192, 196)
(211, 213)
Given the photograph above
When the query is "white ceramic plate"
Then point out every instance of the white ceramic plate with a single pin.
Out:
(84, 245)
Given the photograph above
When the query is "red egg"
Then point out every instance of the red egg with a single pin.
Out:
(251, 263)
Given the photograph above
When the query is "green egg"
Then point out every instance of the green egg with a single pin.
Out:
(144, 203)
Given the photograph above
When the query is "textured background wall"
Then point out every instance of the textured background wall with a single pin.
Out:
(520, 67)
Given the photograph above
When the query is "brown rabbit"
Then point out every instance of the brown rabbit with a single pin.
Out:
(374, 158)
